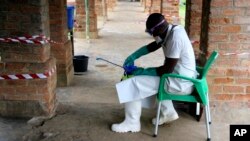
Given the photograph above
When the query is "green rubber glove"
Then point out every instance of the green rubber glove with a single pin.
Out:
(137, 54)
(147, 71)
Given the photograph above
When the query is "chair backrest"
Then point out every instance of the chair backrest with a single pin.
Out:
(202, 87)
(209, 63)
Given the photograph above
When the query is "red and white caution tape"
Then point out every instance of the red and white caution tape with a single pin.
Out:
(44, 75)
(35, 39)
(227, 54)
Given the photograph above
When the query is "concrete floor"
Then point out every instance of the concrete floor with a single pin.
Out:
(89, 106)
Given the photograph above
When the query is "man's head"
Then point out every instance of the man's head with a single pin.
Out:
(156, 24)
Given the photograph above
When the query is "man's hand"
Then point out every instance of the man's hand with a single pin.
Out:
(129, 69)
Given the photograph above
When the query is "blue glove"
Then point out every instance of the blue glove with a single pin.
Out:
(129, 69)
(147, 71)
(129, 61)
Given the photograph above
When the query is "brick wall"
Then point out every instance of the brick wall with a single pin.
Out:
(80, 31)
(111, 4)
(62, 51)
(230, 33)
(169, 8)
(23, 18)
(101, 8)
(25, 97)
(155, 6)
(195, 24)
(147, 5)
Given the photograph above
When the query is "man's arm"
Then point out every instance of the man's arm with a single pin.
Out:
(153, 46)
(140, 52)
(168, 66)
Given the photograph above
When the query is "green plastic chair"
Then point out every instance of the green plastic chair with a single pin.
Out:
(199, 95)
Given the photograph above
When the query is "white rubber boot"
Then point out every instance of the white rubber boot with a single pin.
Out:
(168, 113)
(132, 118)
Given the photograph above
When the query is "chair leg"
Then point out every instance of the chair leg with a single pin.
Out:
(207, 123)
(197, 111)
(209, 114)
(157, 119)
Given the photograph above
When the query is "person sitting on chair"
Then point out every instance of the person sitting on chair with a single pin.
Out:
(142, 88)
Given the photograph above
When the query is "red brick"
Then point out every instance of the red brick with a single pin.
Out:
(231, 28)
(15, 97)
(41, 90)
(232, 12)
(242, 3)
(221, 3)
(226, 80)
(26, 90)
(242, 97)
(227, 62)
(15, 52)
(198, 2)
(243, 81)
(241, 37)
(215, 89)
(195, 13)
(218, 37)
(245, 63)
(224, 97)
(220, 20)
(2, 66)
(242, 20)
(247, 12)
(80, 17)
(47, 97)
(245, 46)
(214, 28)
(7, 90)
(233, 89)
(34, 97)
(237, 72)
(10, 25)
(212, 45)
(37, 82)
(248, 89)
(217, 71)
(2, 83)
(15, 82)
(195, 27)
(215, 12)
(228, 46)
(27, 9)
(15, 66)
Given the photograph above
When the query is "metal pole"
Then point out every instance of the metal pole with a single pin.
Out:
(87, 18)
(104, 14)
(109, 62)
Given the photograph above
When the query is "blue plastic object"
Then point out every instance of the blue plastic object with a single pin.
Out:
(70, 16)
(129, 69)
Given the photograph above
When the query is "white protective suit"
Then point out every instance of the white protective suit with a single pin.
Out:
(175, 45)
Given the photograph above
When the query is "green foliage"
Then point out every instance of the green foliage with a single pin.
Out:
(182, 11)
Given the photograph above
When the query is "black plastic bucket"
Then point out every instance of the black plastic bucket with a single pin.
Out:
(80, 63)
